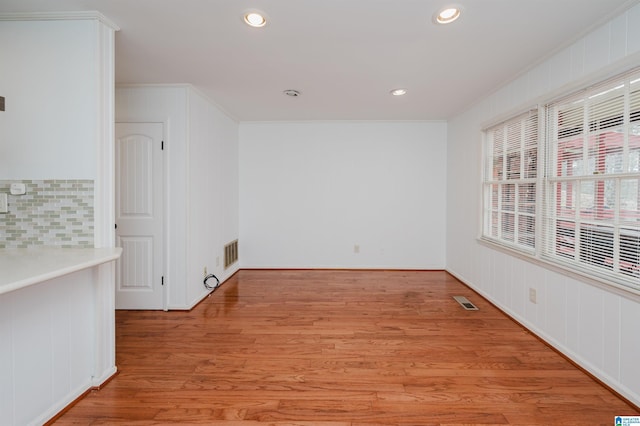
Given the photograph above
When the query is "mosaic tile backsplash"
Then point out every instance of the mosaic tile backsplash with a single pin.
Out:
(51, 213)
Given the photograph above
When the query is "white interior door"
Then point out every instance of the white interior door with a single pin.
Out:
(139, 215)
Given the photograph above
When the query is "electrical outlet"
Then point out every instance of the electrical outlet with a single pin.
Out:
(356, 248)
(532, 295)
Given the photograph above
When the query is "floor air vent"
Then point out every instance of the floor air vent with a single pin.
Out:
(230, 253)
(464, 302)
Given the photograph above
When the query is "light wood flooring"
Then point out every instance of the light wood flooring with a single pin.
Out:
(334, 348)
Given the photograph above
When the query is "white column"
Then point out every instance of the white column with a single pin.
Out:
(104, 205)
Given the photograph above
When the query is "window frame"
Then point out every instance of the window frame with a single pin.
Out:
(507, 178)
(584, 224)
(598, 186)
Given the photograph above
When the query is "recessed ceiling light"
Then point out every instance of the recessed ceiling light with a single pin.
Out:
(292, 93)
(255, 19)
(398, 92)
(448, 15)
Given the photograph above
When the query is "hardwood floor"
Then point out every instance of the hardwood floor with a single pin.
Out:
(331, 348)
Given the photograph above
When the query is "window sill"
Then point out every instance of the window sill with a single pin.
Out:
(586, 277)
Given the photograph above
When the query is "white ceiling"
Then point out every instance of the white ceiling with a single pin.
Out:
(343, 55)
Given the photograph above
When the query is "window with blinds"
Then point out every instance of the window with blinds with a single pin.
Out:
(509, 183)
(591, 215)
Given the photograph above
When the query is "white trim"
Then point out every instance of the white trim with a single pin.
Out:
(187, 192)
(601, 79)
(104, 204)
(104, 362)
(540, 177)
(182, 86)
(602, 375)
(60, 404)
(231, 116)
(104, 214)
(340, 121)
(204, 294)
(584, 273)
(620, 67)
(97, 382)
(503, 118)
(166, 212)
(165, 204)
(59, 16)
(585, 277)
(24, 267)
(552, 142)
(619, 11)
(507, 149)
(482, 199)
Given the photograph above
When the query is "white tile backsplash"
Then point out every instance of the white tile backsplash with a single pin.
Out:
(51, 213)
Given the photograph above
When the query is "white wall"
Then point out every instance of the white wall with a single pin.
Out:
(213, 192)
(57, 78)
(310, 191)
(49, 80)
(594, 325)
(49, 346)
(201, 164)
(167, 105)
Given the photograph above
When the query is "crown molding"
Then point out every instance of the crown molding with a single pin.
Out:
(59, 16)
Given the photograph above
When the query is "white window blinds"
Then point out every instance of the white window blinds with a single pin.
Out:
(591, 214)
(509, 184)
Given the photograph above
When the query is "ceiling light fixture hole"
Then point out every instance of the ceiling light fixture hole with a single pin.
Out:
(292, 93)
(447, 14)
(255, 19)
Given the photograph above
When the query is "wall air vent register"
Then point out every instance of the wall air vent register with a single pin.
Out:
(230, 253)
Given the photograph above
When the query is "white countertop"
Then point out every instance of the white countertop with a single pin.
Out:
(23, 267)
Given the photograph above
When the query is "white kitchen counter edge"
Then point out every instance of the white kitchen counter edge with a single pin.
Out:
(21, 268)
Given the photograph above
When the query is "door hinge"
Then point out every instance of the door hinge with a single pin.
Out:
(162, 280)
(162, 145)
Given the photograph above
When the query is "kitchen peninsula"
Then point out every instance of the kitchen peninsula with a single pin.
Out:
(57, 328)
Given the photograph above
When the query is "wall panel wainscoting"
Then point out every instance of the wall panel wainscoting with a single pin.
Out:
(340, 347)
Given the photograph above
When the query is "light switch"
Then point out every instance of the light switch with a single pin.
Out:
(17, 188)
(4, 204)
